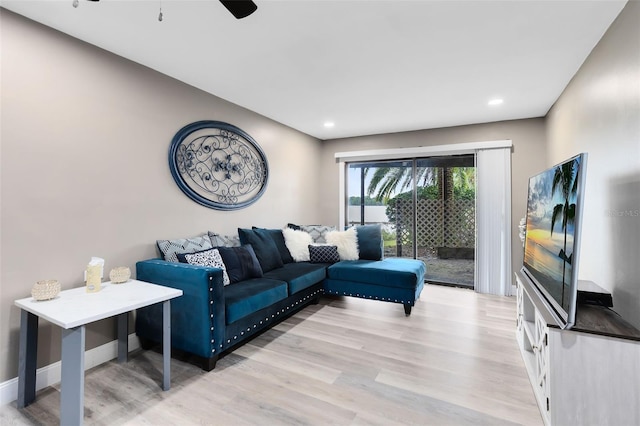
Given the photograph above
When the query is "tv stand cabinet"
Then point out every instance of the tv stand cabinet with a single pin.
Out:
(588, 375)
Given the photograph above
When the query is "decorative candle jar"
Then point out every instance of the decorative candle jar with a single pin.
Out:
(45, 289)
(120, 275)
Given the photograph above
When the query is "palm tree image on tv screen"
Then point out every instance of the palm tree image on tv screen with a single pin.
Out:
(551, 228)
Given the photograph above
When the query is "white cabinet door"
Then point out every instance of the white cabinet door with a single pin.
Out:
(541, 351)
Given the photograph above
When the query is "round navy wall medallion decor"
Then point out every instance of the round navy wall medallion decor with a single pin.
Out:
(218, 165)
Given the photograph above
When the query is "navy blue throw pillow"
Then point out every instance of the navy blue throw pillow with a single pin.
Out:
(278, 238)
(323, 254)
(264, 247)
(241, 263)
(370, 242)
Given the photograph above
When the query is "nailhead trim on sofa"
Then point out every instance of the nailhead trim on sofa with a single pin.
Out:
(344, 293)
(309, 296)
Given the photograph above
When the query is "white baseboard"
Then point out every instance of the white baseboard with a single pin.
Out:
(50, 375)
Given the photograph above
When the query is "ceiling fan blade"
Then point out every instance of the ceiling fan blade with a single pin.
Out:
(240, 8)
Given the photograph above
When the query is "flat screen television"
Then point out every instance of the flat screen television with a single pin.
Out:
(552, 241)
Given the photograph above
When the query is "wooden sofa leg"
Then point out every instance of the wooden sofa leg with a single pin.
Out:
(407, 309)
(209, 364)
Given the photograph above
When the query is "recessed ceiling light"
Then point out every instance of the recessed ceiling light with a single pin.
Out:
(329, 124)
(493, 102)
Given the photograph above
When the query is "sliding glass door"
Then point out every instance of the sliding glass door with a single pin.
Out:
(373, 190)
(426, 207)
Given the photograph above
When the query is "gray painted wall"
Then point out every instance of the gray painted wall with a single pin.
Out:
(84, 172)
(528, 158)
(599, 113)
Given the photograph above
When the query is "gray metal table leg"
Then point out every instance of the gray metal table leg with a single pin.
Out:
(28, 354)
(72, 383)
(123, 337)
(166, 345)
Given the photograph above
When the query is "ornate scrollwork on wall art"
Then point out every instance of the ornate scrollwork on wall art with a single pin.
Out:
(218, 165)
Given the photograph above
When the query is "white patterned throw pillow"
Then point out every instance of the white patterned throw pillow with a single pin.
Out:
(298, 244)
(346, 241)
(208, 258)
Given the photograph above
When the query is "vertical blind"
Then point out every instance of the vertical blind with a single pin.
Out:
(493, 221)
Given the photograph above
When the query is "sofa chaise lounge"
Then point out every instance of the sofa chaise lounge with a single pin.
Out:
(212, 318)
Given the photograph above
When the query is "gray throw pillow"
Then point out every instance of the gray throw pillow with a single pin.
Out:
(224, 240)
(169, 248)
(317, 232)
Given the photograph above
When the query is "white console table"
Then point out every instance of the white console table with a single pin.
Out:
(588, 375)
(72, 310)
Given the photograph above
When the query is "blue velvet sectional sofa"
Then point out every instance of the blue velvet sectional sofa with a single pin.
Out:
(212, 318)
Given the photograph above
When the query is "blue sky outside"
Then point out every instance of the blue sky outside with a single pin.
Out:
(353, 181)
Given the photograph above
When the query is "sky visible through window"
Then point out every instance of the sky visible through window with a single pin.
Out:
(353, 182)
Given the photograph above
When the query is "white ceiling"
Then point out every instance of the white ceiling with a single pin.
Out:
(371, 66)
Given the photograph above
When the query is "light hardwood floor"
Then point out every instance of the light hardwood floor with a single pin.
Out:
(345, 361)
